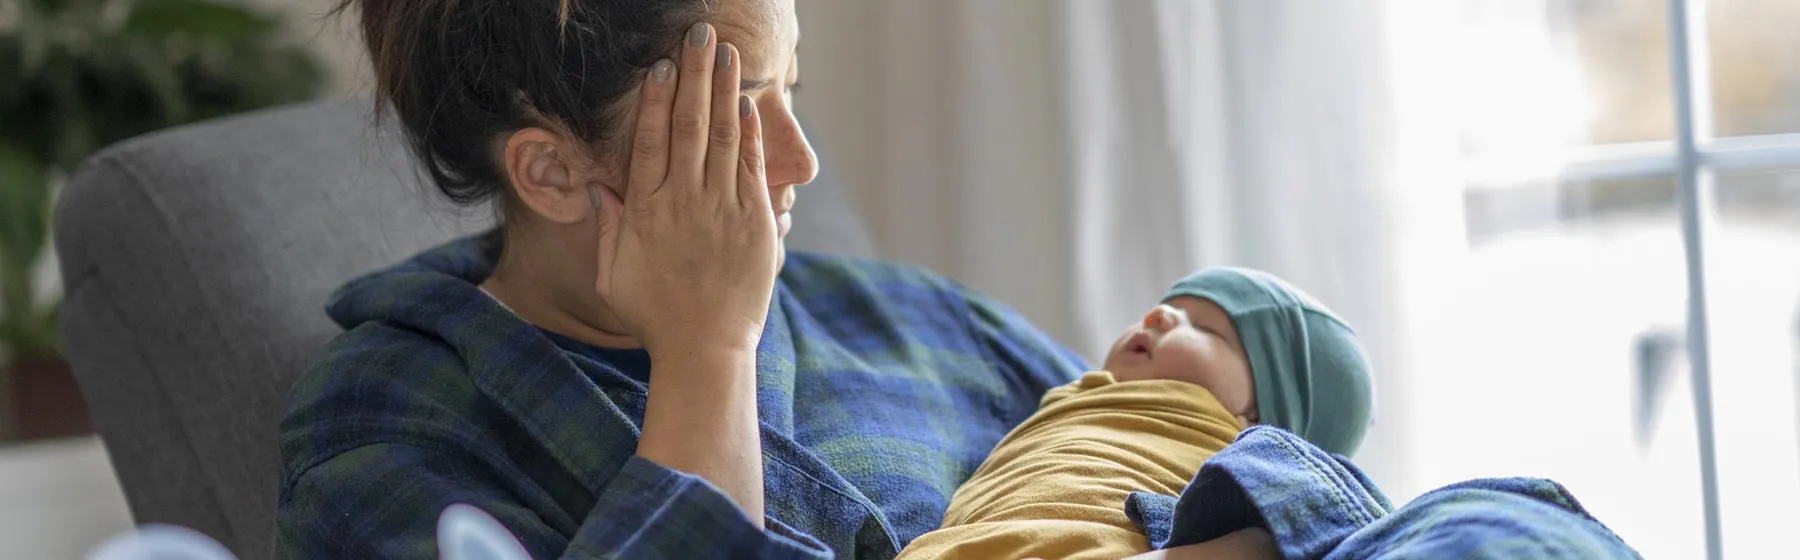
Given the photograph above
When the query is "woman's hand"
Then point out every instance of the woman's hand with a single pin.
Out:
(690, 253)
(687, 261)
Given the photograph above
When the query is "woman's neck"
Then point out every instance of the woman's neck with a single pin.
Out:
(536, 293)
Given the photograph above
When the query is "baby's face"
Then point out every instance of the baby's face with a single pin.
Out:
(1188, 339)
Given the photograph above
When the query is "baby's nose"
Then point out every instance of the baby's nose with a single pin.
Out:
(1160, 318)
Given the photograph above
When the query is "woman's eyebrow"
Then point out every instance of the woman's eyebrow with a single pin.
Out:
(757, 84)
(753, 85)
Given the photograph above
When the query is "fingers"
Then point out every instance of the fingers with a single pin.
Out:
(692, 115)
(722, 136)
(752, 179)
(650, 141)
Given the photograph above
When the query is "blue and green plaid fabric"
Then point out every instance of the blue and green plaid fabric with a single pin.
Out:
(881, 388)
(1319, 505)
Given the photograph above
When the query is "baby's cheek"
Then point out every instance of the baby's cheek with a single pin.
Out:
(1237, 388)
(1185, 362)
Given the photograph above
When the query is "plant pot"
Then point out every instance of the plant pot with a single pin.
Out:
(46, 401)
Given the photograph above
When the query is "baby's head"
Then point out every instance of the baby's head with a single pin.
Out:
(1270, 353)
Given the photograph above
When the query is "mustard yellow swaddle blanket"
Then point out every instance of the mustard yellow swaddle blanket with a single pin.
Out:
(1055, 487)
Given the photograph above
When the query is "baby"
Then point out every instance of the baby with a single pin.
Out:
(1226, 348)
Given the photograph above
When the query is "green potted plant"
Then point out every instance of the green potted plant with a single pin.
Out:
(76, 75)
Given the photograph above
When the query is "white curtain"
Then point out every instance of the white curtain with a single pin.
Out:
(1074, 157)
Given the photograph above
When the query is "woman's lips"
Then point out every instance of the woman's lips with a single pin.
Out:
(782, 202)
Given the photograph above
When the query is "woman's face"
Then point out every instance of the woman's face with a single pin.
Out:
(766, 34)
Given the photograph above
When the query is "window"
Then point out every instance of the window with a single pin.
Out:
(1582, 212)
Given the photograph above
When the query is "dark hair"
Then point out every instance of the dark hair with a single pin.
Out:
(458, 73)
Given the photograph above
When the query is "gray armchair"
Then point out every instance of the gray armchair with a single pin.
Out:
(196, 263)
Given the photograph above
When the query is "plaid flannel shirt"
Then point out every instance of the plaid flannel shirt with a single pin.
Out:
(1320, 505)
(880, 389)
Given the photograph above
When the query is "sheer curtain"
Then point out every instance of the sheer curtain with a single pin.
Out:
(1073, 157)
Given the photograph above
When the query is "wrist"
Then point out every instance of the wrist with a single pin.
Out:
(701, 354)
(716, 342)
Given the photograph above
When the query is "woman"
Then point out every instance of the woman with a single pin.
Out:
(619, 371)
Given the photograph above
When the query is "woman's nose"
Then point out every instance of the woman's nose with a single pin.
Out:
(788, 157)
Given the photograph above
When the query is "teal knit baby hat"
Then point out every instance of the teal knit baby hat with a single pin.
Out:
(1312, 377)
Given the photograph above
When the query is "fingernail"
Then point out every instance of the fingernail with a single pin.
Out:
(663, 70)
(723, 62)
(697, 35)
(743, 106)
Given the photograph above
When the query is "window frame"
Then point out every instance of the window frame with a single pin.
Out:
(1693, 158)
(1653, 160)
(1697, 159)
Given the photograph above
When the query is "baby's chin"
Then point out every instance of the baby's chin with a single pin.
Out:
(1130, 372)
(1148, 370)
(1111, 364)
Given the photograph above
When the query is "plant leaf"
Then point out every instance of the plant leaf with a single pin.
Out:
(74, 138)
(23, 224)
(51, 323)
(72, 81)
(160, 78)
(24, 216)
(14, 72)
(199, 18)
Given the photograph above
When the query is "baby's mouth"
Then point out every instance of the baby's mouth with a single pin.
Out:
(1139, 343)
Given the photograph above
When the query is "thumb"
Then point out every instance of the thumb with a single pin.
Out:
(609, 210)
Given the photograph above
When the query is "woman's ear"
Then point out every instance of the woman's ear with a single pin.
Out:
(549, 174)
